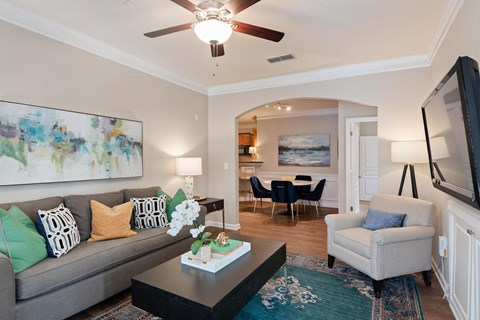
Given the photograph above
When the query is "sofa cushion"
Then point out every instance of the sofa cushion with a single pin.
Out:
(111, 223)
(150, 212)
(20, 240)
(172, 203)
(90, 258)
(30, 208)
(354, 239)
(79, 206)
(140, 193)
(59, 229)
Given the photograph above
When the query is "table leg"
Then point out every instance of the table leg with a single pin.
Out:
(223, 220)
(285, 275)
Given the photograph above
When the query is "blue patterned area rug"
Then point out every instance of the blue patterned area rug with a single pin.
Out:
(315, 292)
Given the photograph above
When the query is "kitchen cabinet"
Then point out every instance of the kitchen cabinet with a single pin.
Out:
(244, 139)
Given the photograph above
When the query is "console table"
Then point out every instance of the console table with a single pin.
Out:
(214, 204)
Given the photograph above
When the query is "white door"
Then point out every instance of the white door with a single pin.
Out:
(355, 166)
(368, 167)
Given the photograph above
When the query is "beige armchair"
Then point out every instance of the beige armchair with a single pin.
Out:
(384, 253)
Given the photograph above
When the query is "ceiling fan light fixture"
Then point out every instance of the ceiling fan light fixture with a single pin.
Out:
(213, 31)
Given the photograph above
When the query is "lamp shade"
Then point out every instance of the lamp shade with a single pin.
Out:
(213, 31)
(409, 152)
(252, 150)
(189, 166)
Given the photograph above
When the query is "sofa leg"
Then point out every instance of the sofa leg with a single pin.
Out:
(331, 260)
(377, 288)
(427, 277)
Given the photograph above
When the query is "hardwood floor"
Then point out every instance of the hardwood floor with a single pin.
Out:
(306, 235)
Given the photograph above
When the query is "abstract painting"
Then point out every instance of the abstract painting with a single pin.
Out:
(39, 145)
(307, 150)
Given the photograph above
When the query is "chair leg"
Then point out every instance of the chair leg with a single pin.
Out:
(273, 209)
(291, 209)
(316, 208)
(377, 288)
(331, 261)
(255, 205)
(427, 277)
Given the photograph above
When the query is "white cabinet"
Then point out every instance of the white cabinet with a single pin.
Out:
(464, 260)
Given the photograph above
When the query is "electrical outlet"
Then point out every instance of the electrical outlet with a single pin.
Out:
(442, 246)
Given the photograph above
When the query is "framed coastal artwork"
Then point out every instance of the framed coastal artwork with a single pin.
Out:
(40, 145)
(305, 150)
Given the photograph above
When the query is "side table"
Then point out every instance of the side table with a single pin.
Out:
(212, 205)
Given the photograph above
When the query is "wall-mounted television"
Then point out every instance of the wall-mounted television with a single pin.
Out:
(451, 117)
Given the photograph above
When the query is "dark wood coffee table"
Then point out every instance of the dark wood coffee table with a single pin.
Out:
(173, 290)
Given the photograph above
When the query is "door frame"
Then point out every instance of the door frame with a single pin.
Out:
(348, 156)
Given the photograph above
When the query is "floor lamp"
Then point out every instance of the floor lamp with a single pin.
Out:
(409, 153)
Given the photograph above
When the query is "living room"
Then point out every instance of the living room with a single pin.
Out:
(182, 118)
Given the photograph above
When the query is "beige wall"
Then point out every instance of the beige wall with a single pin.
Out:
(347, 110)
(398, 96)
(461, 40)
(368, 128)
(41, 71)
(270, 129)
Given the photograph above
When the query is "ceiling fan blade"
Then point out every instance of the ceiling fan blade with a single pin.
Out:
(163, 32)
(217, 50)
(257, 31)
(186, 4)
(236, 6)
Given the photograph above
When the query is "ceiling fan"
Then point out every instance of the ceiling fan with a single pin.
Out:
(215, 24)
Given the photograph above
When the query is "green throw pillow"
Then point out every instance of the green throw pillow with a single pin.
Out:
(19, 234)
(172, 202)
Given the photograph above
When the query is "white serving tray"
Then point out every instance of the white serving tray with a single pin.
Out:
(218, 262)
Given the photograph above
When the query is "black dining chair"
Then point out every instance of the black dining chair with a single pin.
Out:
(314, 195)
(303, 178)
(284, 192)
(259, 191)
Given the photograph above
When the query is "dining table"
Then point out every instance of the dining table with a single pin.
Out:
(296, 183)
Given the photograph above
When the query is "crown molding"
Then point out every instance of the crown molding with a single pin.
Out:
(22, 18)
(449, 15)
(353, 70)
(307, 113)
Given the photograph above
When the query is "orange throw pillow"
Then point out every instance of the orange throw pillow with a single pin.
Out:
(110, 223)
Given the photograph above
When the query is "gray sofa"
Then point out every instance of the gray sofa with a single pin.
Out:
(89, 273)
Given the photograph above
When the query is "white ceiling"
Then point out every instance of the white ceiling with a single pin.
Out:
(329, 38)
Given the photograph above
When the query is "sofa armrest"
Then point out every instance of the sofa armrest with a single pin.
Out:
(394, 235)
(399, 251)
(337, 222)
(7, 288)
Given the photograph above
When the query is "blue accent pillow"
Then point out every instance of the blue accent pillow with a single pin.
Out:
(377, 220)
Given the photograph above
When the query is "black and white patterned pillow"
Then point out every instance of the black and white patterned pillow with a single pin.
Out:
(150, 212)
(59, 229)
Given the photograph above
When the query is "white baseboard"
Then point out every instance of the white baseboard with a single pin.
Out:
(445, 286)
(441, 279)
(219, 224)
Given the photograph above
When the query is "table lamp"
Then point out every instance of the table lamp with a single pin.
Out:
(252, 151)
(409, 153)
(189, 167)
